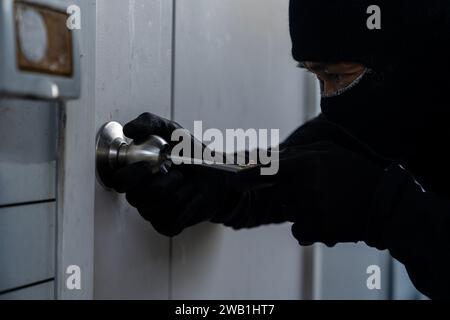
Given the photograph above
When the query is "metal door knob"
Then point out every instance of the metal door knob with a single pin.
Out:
(114, 151)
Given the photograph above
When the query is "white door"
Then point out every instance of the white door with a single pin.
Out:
(221, 63)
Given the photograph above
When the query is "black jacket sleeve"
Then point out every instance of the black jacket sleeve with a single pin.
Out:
(411, 223)
(264, 205)
(414, 226)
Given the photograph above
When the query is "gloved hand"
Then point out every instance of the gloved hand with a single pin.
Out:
(329, 192)
(172, 201)
(175, 200)
(149, 124)
(320, 129)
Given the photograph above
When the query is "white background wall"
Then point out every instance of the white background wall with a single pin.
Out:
(233, 69)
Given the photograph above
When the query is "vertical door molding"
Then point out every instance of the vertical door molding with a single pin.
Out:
(76, 169)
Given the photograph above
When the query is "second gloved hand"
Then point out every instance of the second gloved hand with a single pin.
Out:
(331, 192)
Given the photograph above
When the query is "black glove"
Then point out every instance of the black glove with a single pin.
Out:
(172, 201)
(149, 124)
(328, 191)
(320, 129)
(175, 200)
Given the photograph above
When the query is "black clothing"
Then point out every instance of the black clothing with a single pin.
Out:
(413, 224)
(400, 110)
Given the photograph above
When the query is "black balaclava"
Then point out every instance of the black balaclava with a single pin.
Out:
(400, 106)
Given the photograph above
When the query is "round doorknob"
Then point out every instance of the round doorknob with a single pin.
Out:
(114, 151)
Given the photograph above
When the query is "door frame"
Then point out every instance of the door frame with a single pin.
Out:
(76, 169)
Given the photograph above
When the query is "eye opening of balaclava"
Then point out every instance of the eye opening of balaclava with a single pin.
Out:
(341, 90)
(348, 87)
(401, 98)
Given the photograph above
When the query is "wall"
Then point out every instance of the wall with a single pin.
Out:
(341, 272)
(233, 69)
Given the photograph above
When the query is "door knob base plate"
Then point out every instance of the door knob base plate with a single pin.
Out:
(110, 138)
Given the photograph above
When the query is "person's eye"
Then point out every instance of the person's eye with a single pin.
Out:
(336, 77)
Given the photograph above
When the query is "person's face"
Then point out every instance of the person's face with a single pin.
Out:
(335, 77)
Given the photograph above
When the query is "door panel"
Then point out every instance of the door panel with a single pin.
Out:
(27, 245)
(28, 151)
(45, 291)
(233, 69)
(133, 75)
(342, 272)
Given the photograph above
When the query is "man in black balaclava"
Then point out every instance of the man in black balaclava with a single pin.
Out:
(372, 167)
